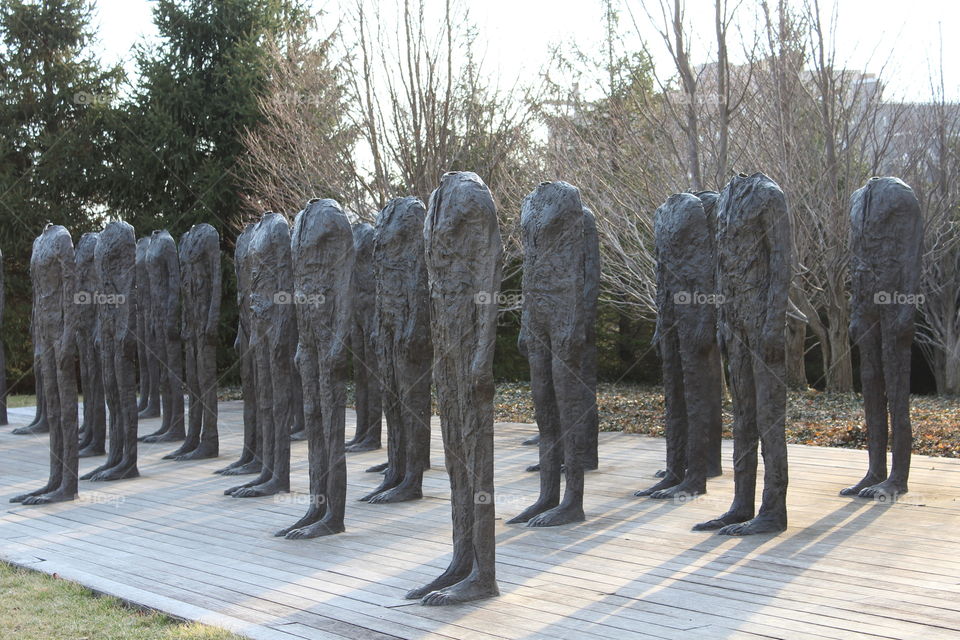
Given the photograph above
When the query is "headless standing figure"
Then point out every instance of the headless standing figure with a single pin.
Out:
(323, 256)
(463, 252)
(406, 353)
(163, 266)
(53, 275)
(200, 286)
(249, 461)
(148, 405)
(553, 337)
(687, 340)
(366, 367)
(94, 431)
(753, 276)
(115, 260)
(272, 337)
(886, 245)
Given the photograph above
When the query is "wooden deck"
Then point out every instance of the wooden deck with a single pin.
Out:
(170, 540)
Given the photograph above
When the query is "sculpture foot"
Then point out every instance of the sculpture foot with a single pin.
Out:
(312, 517)
(563, 514)
(148, 413)
(730, 517)
(268, 488)
(868, 481)
(50, 498)
(241, 469)
(451, 576)
(683, 492)
(533, 467)
(297, 436)
(887, 491)
(535, 509)
(467, 590)
(531, 441)
(32, 429)
(204, 451)
(164, 437)
(378, 468)
(403, 492)
(186, 447)
(763, 523)
(24, 496)
(666, 483)
(323, 528)
(116, 473)
(366, 445)
(662, 473)
(89, 474)
(386, 485)
(91, 451)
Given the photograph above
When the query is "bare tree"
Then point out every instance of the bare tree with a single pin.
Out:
(305, 146)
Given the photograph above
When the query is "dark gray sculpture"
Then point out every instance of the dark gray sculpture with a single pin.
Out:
(366, 365)
(591, 295)
(53, 275)
(3, 353)
(687, 340)
(39, 424)
(272, 338)
(753, 277)
(93, 433)
(886, 245)
(323, 256)
(406, 353)
(200, 289)
(553, 337)
(148, 404)
(463, 253)
(163, 268)
(117, 337)
(249, 461)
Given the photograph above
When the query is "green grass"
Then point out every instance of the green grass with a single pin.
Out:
(36, 606)
(14, 402)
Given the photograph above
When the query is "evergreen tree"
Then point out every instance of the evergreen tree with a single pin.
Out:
(54, 97)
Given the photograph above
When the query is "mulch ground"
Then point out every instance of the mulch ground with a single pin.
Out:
(813, 417)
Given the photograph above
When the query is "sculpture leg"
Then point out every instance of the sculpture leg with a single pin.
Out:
(298, 431)
(360, 380)
(63, 434)
(143, 373)
(572, 403)
(713, 397)
(548, 424)
(676, 415)
(476, 442)
(397, 429)
(412, 406)
(194, 411)
(111, 392)
(265, 418)
(745, 438)
(591, 439)
(332, 462)
(249, 461)
(874, 409)
(47, 366)
(39, 424)
(770, 378)
(152, 409)
(94, 410)
(895, 353)
(124, 366)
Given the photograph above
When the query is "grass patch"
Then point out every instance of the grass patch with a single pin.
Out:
(35, 605)
(813, 417)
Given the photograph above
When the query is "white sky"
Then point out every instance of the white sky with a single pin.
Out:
(898, 37)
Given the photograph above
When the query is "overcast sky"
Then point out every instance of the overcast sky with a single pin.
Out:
(897, 37)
